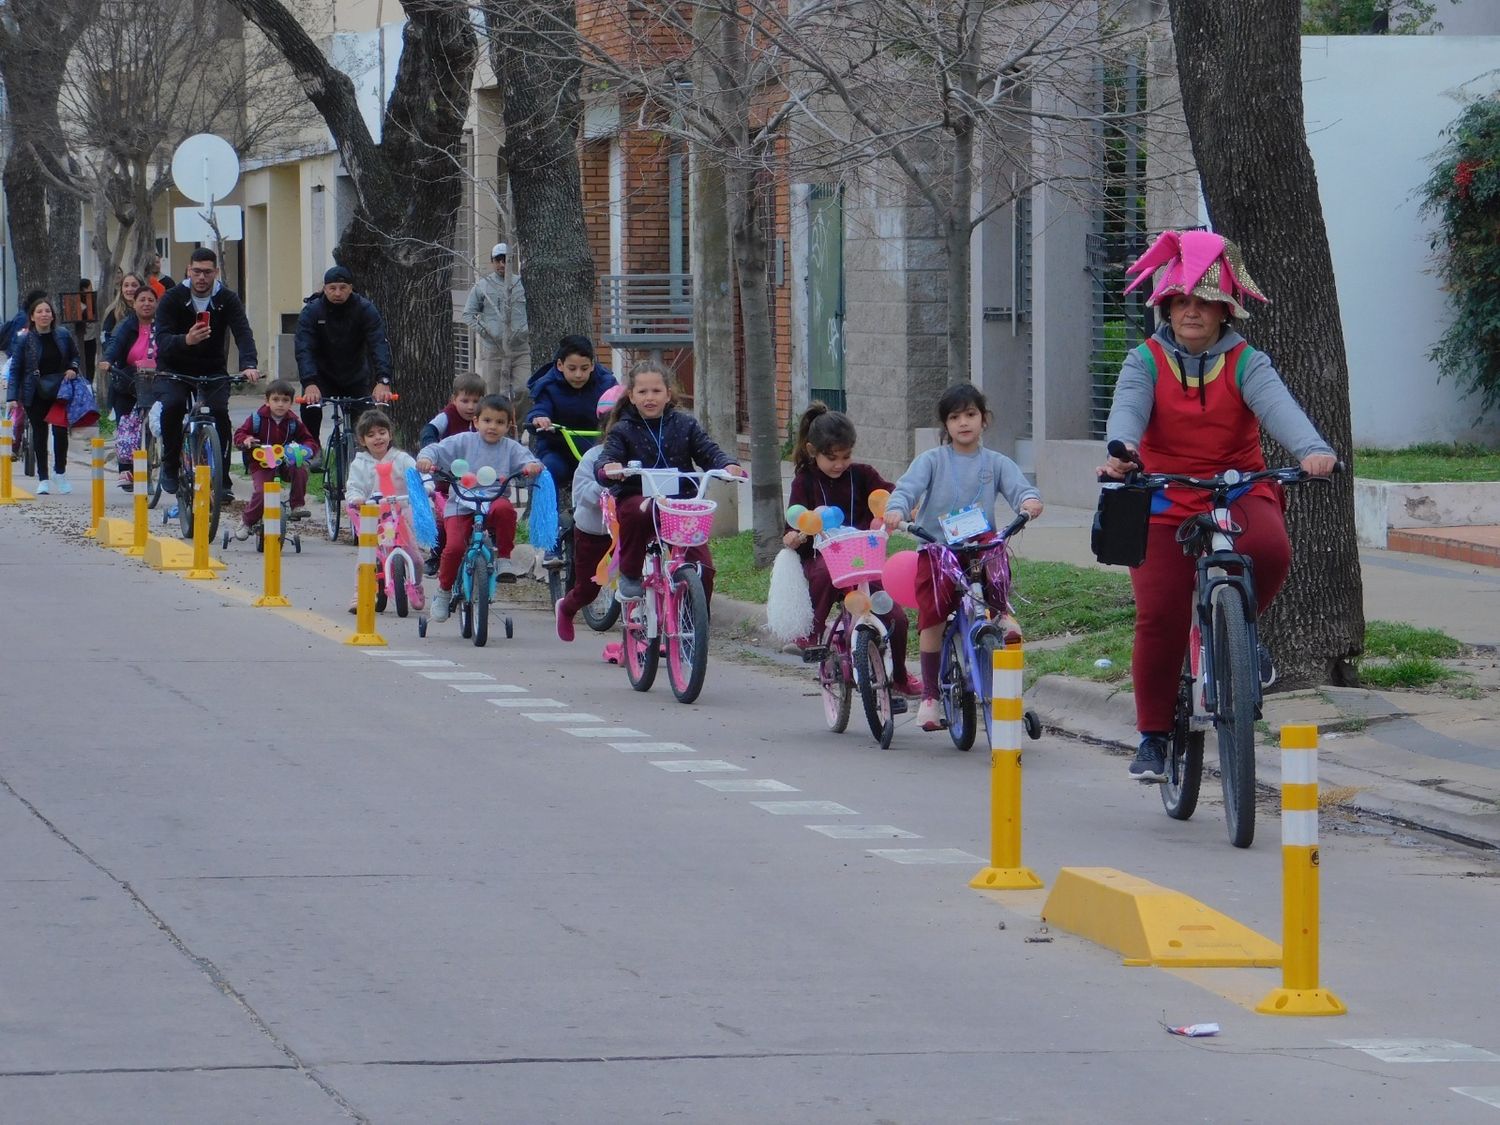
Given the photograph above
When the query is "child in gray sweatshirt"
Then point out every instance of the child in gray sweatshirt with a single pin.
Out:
(957, 482)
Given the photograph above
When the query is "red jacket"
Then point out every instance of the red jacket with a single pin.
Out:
(271, 432)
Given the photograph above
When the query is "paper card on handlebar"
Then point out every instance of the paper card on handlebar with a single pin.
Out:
(965, 524)
(660, 482)
(1121, 521)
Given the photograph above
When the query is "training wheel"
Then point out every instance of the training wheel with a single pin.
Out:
(422, 626)
(225, 541)
(509, 629)
(297, 544)
(1033, 724)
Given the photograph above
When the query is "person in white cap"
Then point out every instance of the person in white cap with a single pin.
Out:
(496, 309)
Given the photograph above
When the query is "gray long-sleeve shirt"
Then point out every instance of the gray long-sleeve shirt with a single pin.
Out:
(1260, 386)
(942, 480)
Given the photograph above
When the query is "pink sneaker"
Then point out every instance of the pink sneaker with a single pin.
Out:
(908, 686)
(613, 653)
(564, 624)
(415, 598)
(928, 716)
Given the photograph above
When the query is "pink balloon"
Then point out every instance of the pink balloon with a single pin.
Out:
(900, 578)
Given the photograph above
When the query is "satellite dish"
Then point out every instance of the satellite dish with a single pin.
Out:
(205, 168)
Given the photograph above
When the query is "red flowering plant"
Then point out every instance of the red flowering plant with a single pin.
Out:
(1463, 194)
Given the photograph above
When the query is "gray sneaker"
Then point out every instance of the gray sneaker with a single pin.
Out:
(1150, 760)
(631, 589)
(441, 605)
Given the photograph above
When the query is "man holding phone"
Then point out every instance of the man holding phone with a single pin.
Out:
(193, 325)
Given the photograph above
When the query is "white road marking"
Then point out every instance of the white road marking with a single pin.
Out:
(653, 748)
(506, 688)
(700, 765)
(391, 653)
(864, 831)
(606, 732)
(426, 663)
(804, 808)
(1489, 1095)
(1419, 1050)
(528, 703)
(455, 676)
(925, 855)
(751, 785)
(564, 717)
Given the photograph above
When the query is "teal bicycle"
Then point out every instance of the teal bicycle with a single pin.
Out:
(474, 591)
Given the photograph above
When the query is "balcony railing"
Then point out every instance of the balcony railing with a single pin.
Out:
(646, 310)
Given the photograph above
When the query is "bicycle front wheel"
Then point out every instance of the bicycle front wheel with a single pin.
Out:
(639, 652)
(212, 455)
(874, 684)
(187, 484)
(1234, 677)
(481, 601)
(396, 584)
(956, 693)
(28, 451)
(687, 635)
(1179, 793)
(987, 642)
(333, 489)
(833, 677)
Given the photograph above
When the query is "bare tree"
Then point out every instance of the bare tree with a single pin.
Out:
(407, 186)
(35, 39)
(139, 81)
(1250, 144)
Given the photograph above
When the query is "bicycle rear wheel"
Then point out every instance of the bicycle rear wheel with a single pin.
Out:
(874, 684)
(1235, 673)
(1179, 793)
(640, 653)
(956, 693)
(687, 635)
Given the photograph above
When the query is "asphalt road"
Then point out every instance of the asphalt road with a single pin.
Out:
(252, 874)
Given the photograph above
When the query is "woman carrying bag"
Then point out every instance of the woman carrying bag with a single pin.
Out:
(48, 356)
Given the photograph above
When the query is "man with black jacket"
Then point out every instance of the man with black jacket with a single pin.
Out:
(341, 348)
(193, 325)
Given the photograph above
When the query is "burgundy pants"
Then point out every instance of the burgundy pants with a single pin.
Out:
(638, 529)
(1163, 586)
(502, 527)
(259, 477)
(588, 550)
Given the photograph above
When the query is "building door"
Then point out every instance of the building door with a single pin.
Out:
(825, 295)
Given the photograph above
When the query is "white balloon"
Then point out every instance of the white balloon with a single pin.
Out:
(881, 602)
(486, 474)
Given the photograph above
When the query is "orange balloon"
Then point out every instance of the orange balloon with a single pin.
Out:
(857, 602)
(878, 501)
(809, 523)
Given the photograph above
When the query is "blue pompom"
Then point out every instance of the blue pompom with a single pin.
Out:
(423, 519)
(541, 526)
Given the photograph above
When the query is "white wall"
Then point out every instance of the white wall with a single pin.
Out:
(1375, 106)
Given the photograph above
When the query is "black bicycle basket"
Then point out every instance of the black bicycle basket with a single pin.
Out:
(1120, 524)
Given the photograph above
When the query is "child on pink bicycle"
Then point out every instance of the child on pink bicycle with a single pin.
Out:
(647, 427)
(373, 431)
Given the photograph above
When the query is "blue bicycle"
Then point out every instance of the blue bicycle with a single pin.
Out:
(477, 574)
(973, 633)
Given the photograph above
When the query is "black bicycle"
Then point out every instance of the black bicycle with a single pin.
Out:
(1220, 685)
(200, 446)
(338, 454)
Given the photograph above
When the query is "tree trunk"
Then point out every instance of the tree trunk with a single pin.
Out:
(26, 200)
(407, 188)
(751, 254)
(1240, 71)
(713, 303)
(536, 56)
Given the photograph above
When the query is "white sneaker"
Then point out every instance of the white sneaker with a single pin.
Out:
(63, 486)
(242, 532)
(441, 605)
(43, 487)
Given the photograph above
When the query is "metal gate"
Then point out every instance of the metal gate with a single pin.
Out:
(825, 295)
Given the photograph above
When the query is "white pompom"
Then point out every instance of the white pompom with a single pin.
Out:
(789, 610)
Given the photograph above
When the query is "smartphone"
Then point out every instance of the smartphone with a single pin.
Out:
(203, 318)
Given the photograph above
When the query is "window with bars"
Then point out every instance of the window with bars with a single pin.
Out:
(1118, 236)
(463, 347)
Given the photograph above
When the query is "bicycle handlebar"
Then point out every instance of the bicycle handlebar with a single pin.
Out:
(334, 400)
(1015, 525)
(477, 495)
(1229, 478)
(634, 469)
(194, 380)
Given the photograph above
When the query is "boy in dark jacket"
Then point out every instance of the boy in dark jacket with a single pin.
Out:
(271, 425)
(566, 393)
(193, 325)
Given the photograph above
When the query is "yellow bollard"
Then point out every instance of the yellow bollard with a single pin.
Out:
(270, 522)
(142, 527)
(364, 621)
(202, 507)
(1005, 871)
(1299, 994)
(9, 494)
(96, 485)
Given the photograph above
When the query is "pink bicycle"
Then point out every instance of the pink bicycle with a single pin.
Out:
(398, 565)
(672, 616)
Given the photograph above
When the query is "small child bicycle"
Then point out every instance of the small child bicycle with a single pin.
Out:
(397, 567)
(981, 568)
(673, 612)
(477, 578)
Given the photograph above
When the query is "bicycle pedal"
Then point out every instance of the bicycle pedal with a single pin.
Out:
(898, 705)
(506, 579)
(814, 654)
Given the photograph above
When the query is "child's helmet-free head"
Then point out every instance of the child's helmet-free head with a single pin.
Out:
(608, 399)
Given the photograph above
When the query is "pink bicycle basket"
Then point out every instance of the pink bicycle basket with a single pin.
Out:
(685, 523)
(853, 556)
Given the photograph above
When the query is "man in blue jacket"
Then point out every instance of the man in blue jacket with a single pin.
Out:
(342, 351)
(193, 324)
